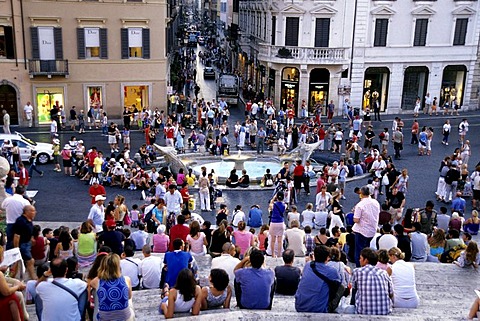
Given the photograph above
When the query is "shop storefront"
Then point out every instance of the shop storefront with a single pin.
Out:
(318, 90)
(453, 84)
(415, 81)
(45, 99)
(94, 95)
(289, 88)
(271, 83)
(136, 95)
(375, 87)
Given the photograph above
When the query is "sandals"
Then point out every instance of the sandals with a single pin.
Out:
(165, 291)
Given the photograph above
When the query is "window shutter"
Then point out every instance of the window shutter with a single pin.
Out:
(421, 27)
(57, 38)
(103, 43)
(291, 32)
(146, 43)
(381, 30)
(81, 43)
(274, 29)
(124, 42)
(322, 32)
(35, 44)
(460, 32)
(10, 45)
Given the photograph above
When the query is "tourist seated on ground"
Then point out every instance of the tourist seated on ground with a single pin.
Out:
(219, 293)
(403, 279)
(243, 238)
(419, 244)
(254, 287)
(472, 224)
(336, 262)
(255, 216)
(184, 296)
(150, 269)
(140, 237)
(244, 181)
(466, 237)
(267, 179)
(453, 239)
(160, 241)
(469, 257)
(372, 287)
(220, 236)
(64, 248)
(10, 305)
(112, 238)
(232, 180)
(386, 240)
(455, 222)
(383, 260)
(227, 261)
(295, 239)
(176, 261)
(131, 266)
(437, 245)
(87, 245)
(287, 275)
(313, 290)
(197, 240)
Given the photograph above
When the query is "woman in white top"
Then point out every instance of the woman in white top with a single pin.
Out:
(186, 296)
(308, 216)
(237, 215)
(403, 279)
(293, 215)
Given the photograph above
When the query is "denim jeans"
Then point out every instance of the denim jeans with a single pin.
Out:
(361, 242)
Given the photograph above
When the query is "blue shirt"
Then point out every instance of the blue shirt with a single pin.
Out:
(278, 211)
(312, 294)
(176, 261)
(458, 205)
(256, 286)
(255, 217)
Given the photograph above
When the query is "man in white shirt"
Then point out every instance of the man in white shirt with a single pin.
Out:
(57, 302)
(97, 214)
(386, 240)
(295, 237)
(173, 200)
(13, 206)
(130, 266)
(28, 113)
(378, 166)
(226, 261)
(53, 128)
(150, 269)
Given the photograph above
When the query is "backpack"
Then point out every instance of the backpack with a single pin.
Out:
(170, 220)
(149, 221)
(454, 253)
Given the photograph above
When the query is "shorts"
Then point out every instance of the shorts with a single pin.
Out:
(476, 194)
(126, 140)
(341, 185)
(26, 251)
(112, 139)
(276, 229)
(67, 163)
(297, 182)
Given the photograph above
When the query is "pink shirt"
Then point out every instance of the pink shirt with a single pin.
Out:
(160, 243)
(196, 245)
(243, 240)
(367, 211)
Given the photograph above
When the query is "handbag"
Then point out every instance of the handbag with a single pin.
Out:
(385, 180)
(127, 220)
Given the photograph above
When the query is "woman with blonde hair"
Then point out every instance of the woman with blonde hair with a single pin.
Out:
(109, 281)
(437, 245)
(120, 209)
(403, 279)
(472, 224)
(469, 257)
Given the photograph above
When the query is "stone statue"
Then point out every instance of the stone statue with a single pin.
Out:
(171, 157)
(303, 151)
(4, 169)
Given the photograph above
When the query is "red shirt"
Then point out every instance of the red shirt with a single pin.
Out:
(298, 170)
(290, 113)
(178, 232)
(100, 190)
(320, 183)
(91, 157)
(185, 195)
(24, 179)
(321, 134)
(249, 106)
(170, 131)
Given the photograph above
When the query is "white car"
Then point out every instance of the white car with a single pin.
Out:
(26, 145)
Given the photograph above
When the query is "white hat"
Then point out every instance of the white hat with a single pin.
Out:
(100, 198)
(56, 141)
(80, 141)
(66, 146)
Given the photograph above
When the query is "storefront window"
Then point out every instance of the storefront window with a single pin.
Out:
(415, 82)
(95, 96)
(46, 99)
(289, 90)
(375, 87)
(136, 96)
(453, 84)
(318, 90)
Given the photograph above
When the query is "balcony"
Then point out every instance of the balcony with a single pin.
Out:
(49, 68)
(302, 55)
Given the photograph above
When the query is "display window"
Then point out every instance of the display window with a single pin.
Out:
(375, 87)
(136, 96)
(46, 98)
(453, 84)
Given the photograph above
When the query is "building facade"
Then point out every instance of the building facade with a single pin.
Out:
(105, 54)
(390, 52)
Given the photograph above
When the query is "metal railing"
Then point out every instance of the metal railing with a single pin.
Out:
(304, 53)
(37, 67)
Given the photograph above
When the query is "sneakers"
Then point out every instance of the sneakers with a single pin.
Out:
(41, 174)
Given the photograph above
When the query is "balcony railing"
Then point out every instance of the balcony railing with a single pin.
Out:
(306, 54)
(37, 67)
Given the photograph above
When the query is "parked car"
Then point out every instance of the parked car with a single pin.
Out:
(208, 72)
(26, 145)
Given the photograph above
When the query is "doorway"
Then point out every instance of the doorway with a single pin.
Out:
(8, 101)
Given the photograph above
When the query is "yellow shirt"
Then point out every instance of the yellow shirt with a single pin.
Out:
(97, 165)
(190, 180)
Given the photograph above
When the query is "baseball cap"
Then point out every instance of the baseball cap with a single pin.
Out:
(100, 198)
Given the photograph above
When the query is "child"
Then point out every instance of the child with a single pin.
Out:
(376, 187)
(255, 237)
(383, 260)
(126, 138)
(469, 257)
(135, 215)
(309, 242)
